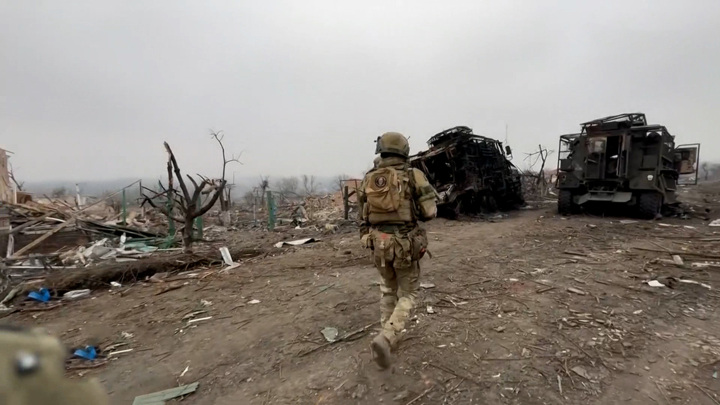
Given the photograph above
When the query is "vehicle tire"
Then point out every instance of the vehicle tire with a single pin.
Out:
(565, 202)
(491, 204)
(650, 204)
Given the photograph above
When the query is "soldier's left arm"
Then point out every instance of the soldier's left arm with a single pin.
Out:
(425, 196)
(362, 200)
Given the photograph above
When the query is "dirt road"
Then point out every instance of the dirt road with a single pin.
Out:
(531, 309)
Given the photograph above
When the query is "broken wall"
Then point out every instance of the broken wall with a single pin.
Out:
(6, 189)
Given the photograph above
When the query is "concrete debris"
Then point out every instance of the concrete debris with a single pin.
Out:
(330, 334)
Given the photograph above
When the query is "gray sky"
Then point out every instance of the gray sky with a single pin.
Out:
(90, 89)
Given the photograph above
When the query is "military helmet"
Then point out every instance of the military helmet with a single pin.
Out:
(393, 143)
(32, 372)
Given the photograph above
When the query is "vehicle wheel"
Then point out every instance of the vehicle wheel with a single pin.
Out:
(491, 204)
(650, 204)
(565, 202)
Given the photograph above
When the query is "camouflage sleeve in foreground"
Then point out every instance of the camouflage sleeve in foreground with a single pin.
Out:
(32, 372)
(425, 196)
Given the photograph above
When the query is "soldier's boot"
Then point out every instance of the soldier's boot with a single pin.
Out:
(381, 351)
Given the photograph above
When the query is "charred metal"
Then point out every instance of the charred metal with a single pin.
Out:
(471, 173)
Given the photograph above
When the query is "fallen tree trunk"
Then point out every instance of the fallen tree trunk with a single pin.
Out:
(100, 276)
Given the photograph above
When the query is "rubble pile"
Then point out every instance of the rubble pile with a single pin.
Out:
(326, 208)
(38, 237)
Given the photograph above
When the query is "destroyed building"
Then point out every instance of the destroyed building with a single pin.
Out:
(471, 173)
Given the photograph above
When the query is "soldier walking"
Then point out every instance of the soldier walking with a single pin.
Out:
(393, 197)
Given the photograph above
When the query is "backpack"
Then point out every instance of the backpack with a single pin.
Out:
(389, 193)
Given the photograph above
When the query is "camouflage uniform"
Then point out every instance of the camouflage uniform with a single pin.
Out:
(390, 228)
(32, 372)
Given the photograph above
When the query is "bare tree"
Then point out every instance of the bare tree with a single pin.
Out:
(309, 184)
(19, 185)
(59, 192)
(340, 181)
(263, 187)
(540, 156)
(288, 186)
(221, 185)
(249, 198)
(182, 205)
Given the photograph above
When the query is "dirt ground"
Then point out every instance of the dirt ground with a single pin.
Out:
(529, 309)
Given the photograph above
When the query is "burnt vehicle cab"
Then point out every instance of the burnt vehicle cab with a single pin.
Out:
(621, 159)
(471, 173)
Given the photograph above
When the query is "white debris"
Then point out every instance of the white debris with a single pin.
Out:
(678, 260)
(705, 264)
(655, 283)
(200, 319)
(430, 310)
(715, 223)
(330, 334)
(225, 252)
(254, 302)
(295, 242)
(687, 281)
(77, 294)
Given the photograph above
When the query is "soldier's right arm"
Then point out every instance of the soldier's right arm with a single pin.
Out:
(425, 196)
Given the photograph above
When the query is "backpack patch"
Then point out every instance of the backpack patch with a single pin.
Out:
(384, 191)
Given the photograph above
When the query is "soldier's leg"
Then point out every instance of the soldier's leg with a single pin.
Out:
(388, 289)
(408, 281)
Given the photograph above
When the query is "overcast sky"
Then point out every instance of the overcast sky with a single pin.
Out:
(90, 89)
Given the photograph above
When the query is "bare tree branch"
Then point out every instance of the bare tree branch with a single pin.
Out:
(12, 177)
(178, 175)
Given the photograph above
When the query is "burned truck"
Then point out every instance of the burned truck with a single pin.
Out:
(471, 173)
(622, 160)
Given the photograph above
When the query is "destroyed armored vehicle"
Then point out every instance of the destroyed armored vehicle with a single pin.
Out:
(471, 173)
(623, 160)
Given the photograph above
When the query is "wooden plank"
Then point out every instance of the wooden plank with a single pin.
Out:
(39, 240)
(161, 396)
